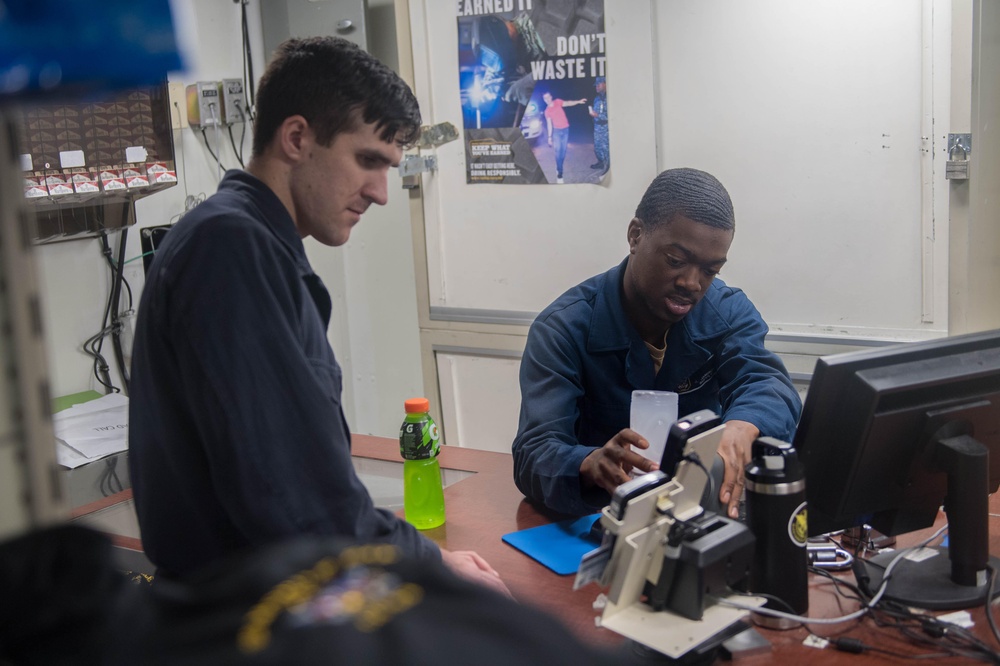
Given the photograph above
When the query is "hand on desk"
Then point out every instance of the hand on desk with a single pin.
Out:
(609, 466)
(471, 566)
(737, 440)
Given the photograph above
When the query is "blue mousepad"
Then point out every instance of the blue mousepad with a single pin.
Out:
(559, 546)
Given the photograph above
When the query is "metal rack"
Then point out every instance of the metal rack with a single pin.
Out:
(30, 490)
(86, 162)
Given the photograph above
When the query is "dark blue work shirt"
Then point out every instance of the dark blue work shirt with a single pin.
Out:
(237, 436)
(583, 359)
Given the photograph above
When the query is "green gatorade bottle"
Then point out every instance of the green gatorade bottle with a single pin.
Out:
(423, 494)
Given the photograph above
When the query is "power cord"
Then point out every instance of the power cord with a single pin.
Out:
(857, 646)
(991, 593)
(193, 200)
(248, 78)
(92, 346)
(110, 321)
(696, 459)
(850, 616)
(932, 631)
(917, 628)
(239, 152)
(217, 124)
(926, 630)
(109, 482)
(116, 322)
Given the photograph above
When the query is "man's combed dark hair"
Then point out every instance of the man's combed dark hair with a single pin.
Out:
(696, 195)
(332, 82)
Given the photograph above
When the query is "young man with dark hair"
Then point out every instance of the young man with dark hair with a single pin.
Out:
(659, 320)
(237, 434)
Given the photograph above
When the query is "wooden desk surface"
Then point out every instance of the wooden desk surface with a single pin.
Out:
(481, 508)
(485, 506)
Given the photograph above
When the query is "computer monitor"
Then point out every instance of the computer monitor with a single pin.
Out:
(890, 435)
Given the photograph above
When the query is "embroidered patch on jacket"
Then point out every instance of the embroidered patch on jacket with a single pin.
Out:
(352, 587)
(364, 596)
(695, 383)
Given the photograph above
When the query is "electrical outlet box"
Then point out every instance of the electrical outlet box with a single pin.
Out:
(234, 102)
(178, 106)
(204, 104)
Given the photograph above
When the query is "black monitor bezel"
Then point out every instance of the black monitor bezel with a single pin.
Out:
(838, 412)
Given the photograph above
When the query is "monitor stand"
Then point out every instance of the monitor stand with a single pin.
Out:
(956, 577)
(927, 583)
(865, 539)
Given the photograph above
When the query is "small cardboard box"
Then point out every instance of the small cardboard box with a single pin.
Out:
(111, 180)
(135, 176)
(85, 181)
(34, 185)
(161, 172)
(58, 184)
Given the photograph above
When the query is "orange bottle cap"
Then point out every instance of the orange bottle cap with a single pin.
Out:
(417, 405)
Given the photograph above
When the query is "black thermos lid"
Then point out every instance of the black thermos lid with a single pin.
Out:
(773, 461)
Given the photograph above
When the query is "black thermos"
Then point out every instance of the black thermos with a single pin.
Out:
(776, 515)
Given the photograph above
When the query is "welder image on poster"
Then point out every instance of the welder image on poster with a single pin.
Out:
(533, 91)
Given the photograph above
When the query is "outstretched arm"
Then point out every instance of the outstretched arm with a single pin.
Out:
(551, 465)
(756, 393)
(734, 449)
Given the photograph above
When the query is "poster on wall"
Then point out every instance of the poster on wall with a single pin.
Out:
(533, 91)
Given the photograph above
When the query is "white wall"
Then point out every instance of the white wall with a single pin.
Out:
(824, 119)
(374, 327)
(821, 118)
(74, 277)
(478, 408)
(975, 257)
(374, 331)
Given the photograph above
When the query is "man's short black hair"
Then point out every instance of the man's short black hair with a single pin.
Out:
(334, 85)
(695, 194)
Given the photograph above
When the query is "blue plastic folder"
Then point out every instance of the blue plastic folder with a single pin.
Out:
(559, 546)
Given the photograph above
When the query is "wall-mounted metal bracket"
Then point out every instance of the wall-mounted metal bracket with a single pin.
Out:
(414, 165)
(432, 136)
(959, 149)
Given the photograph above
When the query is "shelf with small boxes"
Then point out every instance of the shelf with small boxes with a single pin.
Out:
(87, 161)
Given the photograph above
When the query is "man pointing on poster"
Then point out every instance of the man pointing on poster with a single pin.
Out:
(558, 128)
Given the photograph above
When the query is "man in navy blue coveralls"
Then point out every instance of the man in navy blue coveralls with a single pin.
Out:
(660, 320)
(599, 112)
(238, 437)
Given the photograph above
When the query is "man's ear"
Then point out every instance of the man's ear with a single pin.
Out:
(292, 136)
(634, 233)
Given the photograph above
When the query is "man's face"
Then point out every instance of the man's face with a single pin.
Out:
(600, 87)
(671, 267)
(548, 98)
(333, 186)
